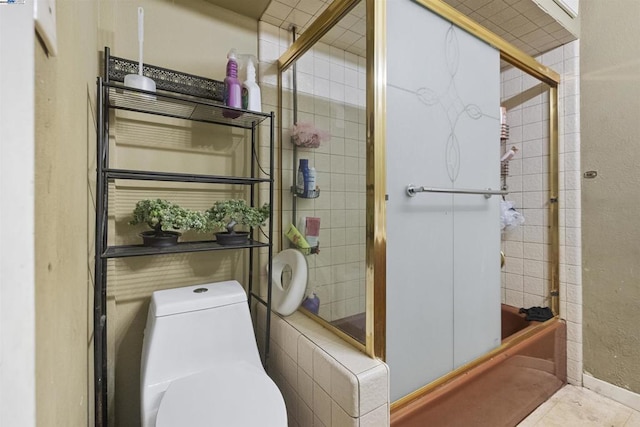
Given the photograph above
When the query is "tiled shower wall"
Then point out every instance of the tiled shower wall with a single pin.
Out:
(525, 277)
(331, 96)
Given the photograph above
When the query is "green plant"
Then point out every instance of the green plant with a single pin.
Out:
(162, 215)
(229, 213)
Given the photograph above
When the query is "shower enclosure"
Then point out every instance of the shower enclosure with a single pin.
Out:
(423, 184)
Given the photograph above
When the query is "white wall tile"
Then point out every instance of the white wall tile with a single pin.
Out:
(290, 370)
(305, 414)
(574, 351)
(345, 389)
(376, 382)
(322, 405)
(322, 369)
(305, 387)
(530, 300)
(574, 372)
(290, 344)
(379, 417)
(513, 267)
(534, 286)
(340, 418)
(514, 298)
(574, 332)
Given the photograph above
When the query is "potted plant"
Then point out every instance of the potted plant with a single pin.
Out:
(164, 217)
(225, 215)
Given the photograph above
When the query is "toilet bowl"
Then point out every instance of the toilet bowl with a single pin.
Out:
(286, 299)
(200, 362)
(193, 401)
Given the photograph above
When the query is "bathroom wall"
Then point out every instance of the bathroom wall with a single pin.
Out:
(17, 170)
(610, 66)
(331, 95)
(64, 138)
(525, 276)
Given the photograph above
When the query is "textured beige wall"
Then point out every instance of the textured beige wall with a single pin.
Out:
(610, 108)
(192, 36)
(65, 99)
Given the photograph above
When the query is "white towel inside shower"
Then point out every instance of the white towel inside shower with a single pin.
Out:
(509, 216)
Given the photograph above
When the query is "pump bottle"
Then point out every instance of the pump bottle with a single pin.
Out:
(232, 87)
(251, 99)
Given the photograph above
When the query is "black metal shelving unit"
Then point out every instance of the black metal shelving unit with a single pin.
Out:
(183, 96)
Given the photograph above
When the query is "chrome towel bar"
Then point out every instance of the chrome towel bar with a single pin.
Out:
(412, 190)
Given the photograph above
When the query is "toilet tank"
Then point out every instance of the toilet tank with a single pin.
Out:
(192, 329)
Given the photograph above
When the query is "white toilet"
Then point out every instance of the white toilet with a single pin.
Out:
(200, 362)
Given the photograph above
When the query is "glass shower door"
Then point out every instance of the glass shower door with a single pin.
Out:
(443, 283)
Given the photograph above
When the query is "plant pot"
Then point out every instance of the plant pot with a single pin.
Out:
(160, 239)
(230, 239)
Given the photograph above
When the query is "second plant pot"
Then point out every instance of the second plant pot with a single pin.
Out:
(230, 239)
(160, 239)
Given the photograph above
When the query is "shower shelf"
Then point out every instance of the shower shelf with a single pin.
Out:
(314, 193)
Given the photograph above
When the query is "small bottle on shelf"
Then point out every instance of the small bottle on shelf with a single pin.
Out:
(310, 183)
(303, 177)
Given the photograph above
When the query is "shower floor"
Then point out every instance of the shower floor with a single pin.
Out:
(352, 325)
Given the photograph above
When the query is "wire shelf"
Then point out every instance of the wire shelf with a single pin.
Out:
(181, 107)
(180, 177)
(182, 247)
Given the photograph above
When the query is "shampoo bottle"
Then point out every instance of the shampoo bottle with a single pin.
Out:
(232, 87)
(303, 177)
(251, 99)
(311, 182)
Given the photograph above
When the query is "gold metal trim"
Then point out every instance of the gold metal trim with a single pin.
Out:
(327, 19)
(376, 237)
(554, 208)
(279, 166)
(508, 52)
(474, 363)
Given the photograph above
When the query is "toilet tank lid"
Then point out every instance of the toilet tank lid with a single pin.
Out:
(198, 297)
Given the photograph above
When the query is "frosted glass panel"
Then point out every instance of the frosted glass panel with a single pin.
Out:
(443, 264)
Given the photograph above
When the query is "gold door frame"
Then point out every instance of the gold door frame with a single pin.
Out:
(376, 28)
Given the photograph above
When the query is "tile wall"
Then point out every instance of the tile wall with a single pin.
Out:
(325, 382)
(331, 96)
(525, 277)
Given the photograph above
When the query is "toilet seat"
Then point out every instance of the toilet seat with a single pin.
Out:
(237, 395)
(286, 301)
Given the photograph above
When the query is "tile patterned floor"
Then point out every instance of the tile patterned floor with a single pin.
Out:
(579, 407)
